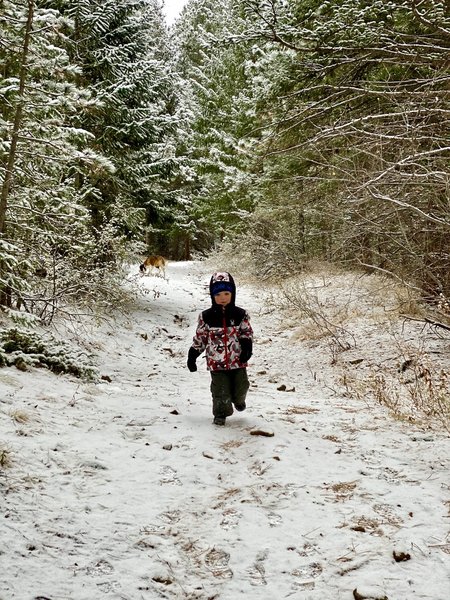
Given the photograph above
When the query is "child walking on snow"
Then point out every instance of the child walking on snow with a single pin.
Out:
(224, 331)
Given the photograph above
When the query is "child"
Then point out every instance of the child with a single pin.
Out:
(224, 331)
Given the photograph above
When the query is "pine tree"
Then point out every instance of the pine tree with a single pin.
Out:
(42, 219)
(123, 49)
(219, 92)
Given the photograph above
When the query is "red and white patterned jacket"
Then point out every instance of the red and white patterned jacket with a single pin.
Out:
(219, 333)
(223, 332)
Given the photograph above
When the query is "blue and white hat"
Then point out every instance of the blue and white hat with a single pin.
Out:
(222, 282)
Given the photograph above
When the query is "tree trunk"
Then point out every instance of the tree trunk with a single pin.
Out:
(5, 292)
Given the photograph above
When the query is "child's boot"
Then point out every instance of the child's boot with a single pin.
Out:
(241, 406)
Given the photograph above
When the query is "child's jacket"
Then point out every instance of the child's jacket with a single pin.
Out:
(222, 333)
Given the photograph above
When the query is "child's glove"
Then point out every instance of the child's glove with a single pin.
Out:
(246, 350)
(193, 354)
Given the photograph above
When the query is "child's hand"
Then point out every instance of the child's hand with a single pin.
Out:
(246, 350)
(244, 357)
(193, 354)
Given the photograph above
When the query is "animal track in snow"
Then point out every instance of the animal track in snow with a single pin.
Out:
(258, 468)
(101, 567)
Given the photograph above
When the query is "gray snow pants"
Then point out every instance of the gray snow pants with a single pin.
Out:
(228, 388)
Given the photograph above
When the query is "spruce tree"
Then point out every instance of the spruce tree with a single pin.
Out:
(123, 49)
(42, 218)
(219, 91)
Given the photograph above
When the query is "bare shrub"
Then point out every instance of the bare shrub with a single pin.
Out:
(322, 318)
(417, 391)
(381, 325)
(389, 363)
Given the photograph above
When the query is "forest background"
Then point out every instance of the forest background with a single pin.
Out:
(294, 132)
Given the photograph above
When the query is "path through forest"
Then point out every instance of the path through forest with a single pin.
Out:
(123, 489)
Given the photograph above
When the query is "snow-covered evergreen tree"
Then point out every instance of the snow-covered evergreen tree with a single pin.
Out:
(123, 49)
(43, 223)
(219, 91)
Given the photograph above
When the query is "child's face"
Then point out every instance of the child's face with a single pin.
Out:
(223, 298)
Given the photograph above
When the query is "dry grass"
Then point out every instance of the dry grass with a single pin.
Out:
(300, 410)
(318, 313)
(379, 355)
(19, 416)
(231, 444)
(331, 438)
(418, 391)
(392, 297)
(342, 490)
(226, 495)
(5, 457)
(366, 525)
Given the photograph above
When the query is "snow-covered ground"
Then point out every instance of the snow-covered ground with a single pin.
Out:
(124, 489)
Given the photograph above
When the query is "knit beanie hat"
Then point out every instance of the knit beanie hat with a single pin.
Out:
(221, 282)
(221, 286)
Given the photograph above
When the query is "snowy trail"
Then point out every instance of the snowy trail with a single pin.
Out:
(125, 489)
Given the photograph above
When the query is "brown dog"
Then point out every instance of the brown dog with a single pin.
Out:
(154, 262)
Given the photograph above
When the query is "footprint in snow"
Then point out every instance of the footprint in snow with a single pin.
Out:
(109, 586)
(230, 518)
(217, 562)
(274, 519)
(169, 476)
(101, 567)
(257, 571)
(311, 570)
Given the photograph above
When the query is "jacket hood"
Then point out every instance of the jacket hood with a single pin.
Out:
(222, 277)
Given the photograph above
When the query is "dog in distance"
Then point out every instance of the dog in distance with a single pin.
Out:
(154, 263)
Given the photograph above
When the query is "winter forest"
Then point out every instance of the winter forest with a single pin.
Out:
(295, 130)
(302, 145)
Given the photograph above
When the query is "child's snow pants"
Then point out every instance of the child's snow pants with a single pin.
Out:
(228, 388)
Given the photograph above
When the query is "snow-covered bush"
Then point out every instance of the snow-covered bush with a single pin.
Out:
(24, 348)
